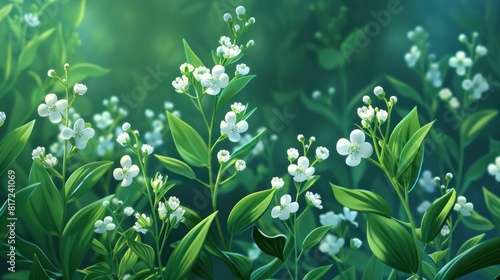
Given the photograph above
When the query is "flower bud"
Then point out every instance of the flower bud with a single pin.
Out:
(462, 38)
(51, 73)
(379, 92)
(301, 138)
(227, 17)
(448, 176)
(240, 10)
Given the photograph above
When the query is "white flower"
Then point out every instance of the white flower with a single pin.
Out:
(180, 84)
(427, 182)
(227, 17)
(382, 116)
(422, 207)
(176, 216)
(142, 224)
(445, 94)
(277, 183)
(316, 94)
(236, 28)
(378, 90)
(330, 218)
(301, 171)
(367, 100)
(186, 68)
(215, 81)
(80, 89)
(127, 172)
(80, 133)
(286, 207)
(223, 156)
(162, 210)
(103, 226)
(157, 182)
(53, 108)
(39, 151)
(454, 103)
(51, 160)
(331, 244)
(123, 139)
(478, 85)
(445, 230)
(200, 71)
(240, 10)
(292, 154)
(481, 50)
(168, 105)
(254, 252)
(31, 19)
(126, 126)
(366, 113)
(147, 149)
(412, 57)
(434, 75)
(448, 176)
(494, 169)
(173, 203)
(322, 153)
(462, 38)
(237, 107)
(349, 216)
(356, 242)
(315, 199)
(250, 43)
(105, 203)
(463, 206)
(393, 100)
(128, 211)
(2, 117)
(51, 73)
(103, 120)
(229, 52)
(240, 165)
(355, 149)
(243, 69)
(231, 128)
(460, 61)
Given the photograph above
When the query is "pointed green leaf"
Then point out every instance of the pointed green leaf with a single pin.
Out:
(5, 10)
(99, 248)
(374, 270)
(403, 131)
(361, 200)
(203, 267)
(37, 272)
(188, 142)
(470, 243)
(20, 199)
(437, 256)
(477, 222)
(81, 71)
(476, 170)
(473, 125)
(127, 262)
(248, 211)
(435, 216)
(24, 256)
(314, 237)
(392, 244)
(492, 203)
(233, 88)
(12, 145)
(405, 90)
(29, 52)
(246, 149)
(186, 252)
(309, 183)
(317, 273)
(411, 149)
(191, 57)
(84, 178)
(428, 270)
(241, 267)
(271, 245)
(142, 251)
(176, 166)
(268, 270)
(348, 274)
(100, 268)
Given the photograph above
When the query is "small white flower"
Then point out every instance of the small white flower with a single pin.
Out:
(103, 120)
(243, 69)
(448, 176)
(355, 149)
(147, 149)
(80, 89)
(356, 242)
(330, 218)
(378, 90)
(366, 113)
(434, 75)
(142, 224)
(481, 50)
(162, 210)
(123, 139)
(494, 169)
(39, 151)
(127, 172)
(51, 73)
(463, 206)
(128, 211)
(286, 207)
(254, 252)
(168, 105)
(227, 17)
(349, 216)
(331, 244)
(236, 28)
(180, 84)
(229, 52)
(186, 68)
(51, 160)
(157, 183)
(316, 94)
(32, 20)
(216, 81)
(237, 107)
(445, 94)
(445, 230)
(154, 138)
(53, 108)
(367, 100)
(382, 116)
(80, 133)
(478, 85)
(460, 61)
(393, 100)
(200, 71)
(412, 57)
(103, 226)
(422, 207)
(454, 103)
(292, 154)
(301, 171)
(126, 126)
(240, 165)
(176, 217)
(223, 156)
(173, 203)
(322, 153)
(232, 128)
(277, 183)
(315, 199)
(462, 38)
(240, 10)
(427, 182)
(2, 117)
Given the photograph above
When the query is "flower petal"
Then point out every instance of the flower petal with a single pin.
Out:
(276, 211)
(234, 136)
(353, 160)
(292, 169)
(303, 162)
(309, 172)
(126, 161)
(285, 199)
(293, 207)
(43, 110)
(66, 133)
(461, 200)
(80, 143)
(118, 174)
(212, 90)
(223, 80)
(230, 118)
(357, 136)
(217, 70)
(88, 133)
(127, 181)
(55, 117)
(365, 150)
(242, 126)
(224, 127)
(50, 99)
(133, 170)
(343, 146)
(284, 215)
(61, 105)
(79, 124)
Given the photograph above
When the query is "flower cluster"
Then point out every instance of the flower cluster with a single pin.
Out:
(494, 169)
(172, 210)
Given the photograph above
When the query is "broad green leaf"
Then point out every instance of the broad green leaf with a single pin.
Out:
(268, 270)
(330, 58)
(121, 243)
(477, 222)
(145, 274)
(473, 125)
(314, 237)
(240, 266)
(81, 71)
(374, 270)
(37, 272)
(412, 148)
(435, 216)
(5, 10)
(99, 248)
(29, 52)
(392, 244)
(406, 90)
(188, 142)
(76, 13)
(12, 145)
(143, 251)
(191, 57)
(403, 131)
(186, 252)
(470, 243)
(348, 274)
(428, 270)
(437, 256)
(100, 268)
(84, 178)
(317, 273)
(361, 200)
(309, 183)
(271, 245)
(78, 235)
(24, 255)
(246, 149)
(176, 166)
(203, 267)
(127, 262)
(19, 199)
(248, 211)
(393, 275)
(477, 170)
(492, 203)
(233, 88)
(481, 255)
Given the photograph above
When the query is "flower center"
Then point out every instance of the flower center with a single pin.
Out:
(233, 127)
(52, 108)
(354, 148)
(78, 133)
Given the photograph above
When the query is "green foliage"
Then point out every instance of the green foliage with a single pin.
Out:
(374, 270)
(239, 265)
(436, 215)
(361, 200)
(84, 178)
(191, 57)
(21, 198)
(233, 88)
(28, 54)
(142, 251)
(12, 145)
(271, 245)
(317, 273)
(314, 237)
(406, 90)
(37, 272)
(474, 124)
(437, 256)
(176, 166)
(248, 210)
(471, 242)
(477, 222)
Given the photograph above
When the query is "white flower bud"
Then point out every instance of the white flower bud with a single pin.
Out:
(448, 176)
(223, 156)
(481, 50)
(301, 138)
(277, 183)
(80, 89)
(66, 66)
(125, 126)
(51, 73)
(240, 10)
(240, 165)
(236, 28)
(462, 38)
(445, 94)
(367, 100)
(227, 17)
(250, 43)
(454, 103)
(382, 116)
(105, 203)
(378, 91)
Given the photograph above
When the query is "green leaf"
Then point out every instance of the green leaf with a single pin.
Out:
(473, 125)
(348, 274)
(435, 216)
(477, 222)
(476, 170)
(176, 166)
(428, 270)
(407, 91)
(268, 270)
(248, 211)
(437, 256)
(191, 57)
(361, 200)
(317, 272)
(492, 203)
(403, 131)
(37, 272)
(203, 267)
(78, 235)
(99, 248)
(233, 88)
(314, 237)
(188, 142)
(12, 145)
(374, 270)
(240, 266)
(470, 243)
(481, 255)
(20, 199)
(309, 183)
(81, 71)
(28, 53)
(186, 252)
(330, 58)
(76, 13)
(84, 178)
(127, 262)
(271, 245)
(5, 10)
(100, 268)
(25, 252)
(412, 148)
(392, 244)
(142, 251)
(246, 149)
